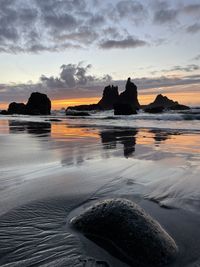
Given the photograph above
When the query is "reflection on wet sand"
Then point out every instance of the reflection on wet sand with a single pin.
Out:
(38, 128)
(111, 138)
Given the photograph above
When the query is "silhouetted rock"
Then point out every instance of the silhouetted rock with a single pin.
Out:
(16, 108)
(162, 101)
(85, 107)
(4, 112)
(128, 232)
(110, 97)
(76, 113)
(179, 107)
(129, 96)
(38, 104)
(124, 109)
(158, 109)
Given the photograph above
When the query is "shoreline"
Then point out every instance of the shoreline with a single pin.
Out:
(63, 168)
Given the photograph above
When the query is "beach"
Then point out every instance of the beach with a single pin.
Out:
(54, 167)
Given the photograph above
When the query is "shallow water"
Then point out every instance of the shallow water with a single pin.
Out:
(50, 170)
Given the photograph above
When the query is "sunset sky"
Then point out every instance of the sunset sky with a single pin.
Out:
(72, 49)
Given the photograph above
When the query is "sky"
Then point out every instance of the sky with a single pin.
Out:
(72, 49)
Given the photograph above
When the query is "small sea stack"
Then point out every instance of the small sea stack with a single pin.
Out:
(127, 232)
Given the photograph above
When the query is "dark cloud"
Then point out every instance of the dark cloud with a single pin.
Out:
(197, 57)
(194, 28)
(192, 9)
(129, 42)
(131, 9)
(73, 76)
(165, 16)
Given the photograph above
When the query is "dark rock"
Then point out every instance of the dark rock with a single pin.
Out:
(38, 104)
(110, 97)
(124, 109)
(76, 113)
(162, 101)
(154, 109)
(85, 107)
(16, 108)
(179, 107)
(128, 232)
(4, 112)
(129, 96)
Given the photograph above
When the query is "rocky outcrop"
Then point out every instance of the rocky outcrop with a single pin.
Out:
(154, 110)
(180, 107)
(124, 109)
(84, 108)
(129, 96)
(125, 104)
(128, 232)
(163, 102)
(76, 113)
(110, 97)
(16, 108)
(38, 104)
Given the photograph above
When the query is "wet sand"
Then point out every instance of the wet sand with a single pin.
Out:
(51, 171)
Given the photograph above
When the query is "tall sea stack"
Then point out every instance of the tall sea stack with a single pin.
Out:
(109, 98)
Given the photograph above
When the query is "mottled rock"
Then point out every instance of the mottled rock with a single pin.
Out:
(109, 98)
(124, 109)
(16, 108)
(128, 232)
(38, 104)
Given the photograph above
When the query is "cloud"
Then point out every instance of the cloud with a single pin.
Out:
(129, 42)
(165, 16)
(73, 76)
(197, 57)
(192, 9)
(194, 28)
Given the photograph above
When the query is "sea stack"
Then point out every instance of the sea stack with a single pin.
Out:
(38, 104)
(127, 232)
(109, 98)
(127, 103)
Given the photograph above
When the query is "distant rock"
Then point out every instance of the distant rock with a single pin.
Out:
(76, 113)
(162, 101)
(3, 112)
(38, 104)
(124, 109)
(158, 109)
(180, 107)
(16, 108)
(127, 232)
(129, 96)
(110, 97)
(85, 107)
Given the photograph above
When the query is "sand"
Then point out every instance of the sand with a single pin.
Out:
(51, 171)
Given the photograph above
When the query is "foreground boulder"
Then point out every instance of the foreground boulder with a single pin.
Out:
(38, 104)
(124, 109)
(16, 108)
(128, 232)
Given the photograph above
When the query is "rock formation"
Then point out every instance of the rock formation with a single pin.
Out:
(90, 107)
(163, 102)
(128, 232)
(129, 96)
(124, 109)
(38, 104)
(110, 97)
(16, 108)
